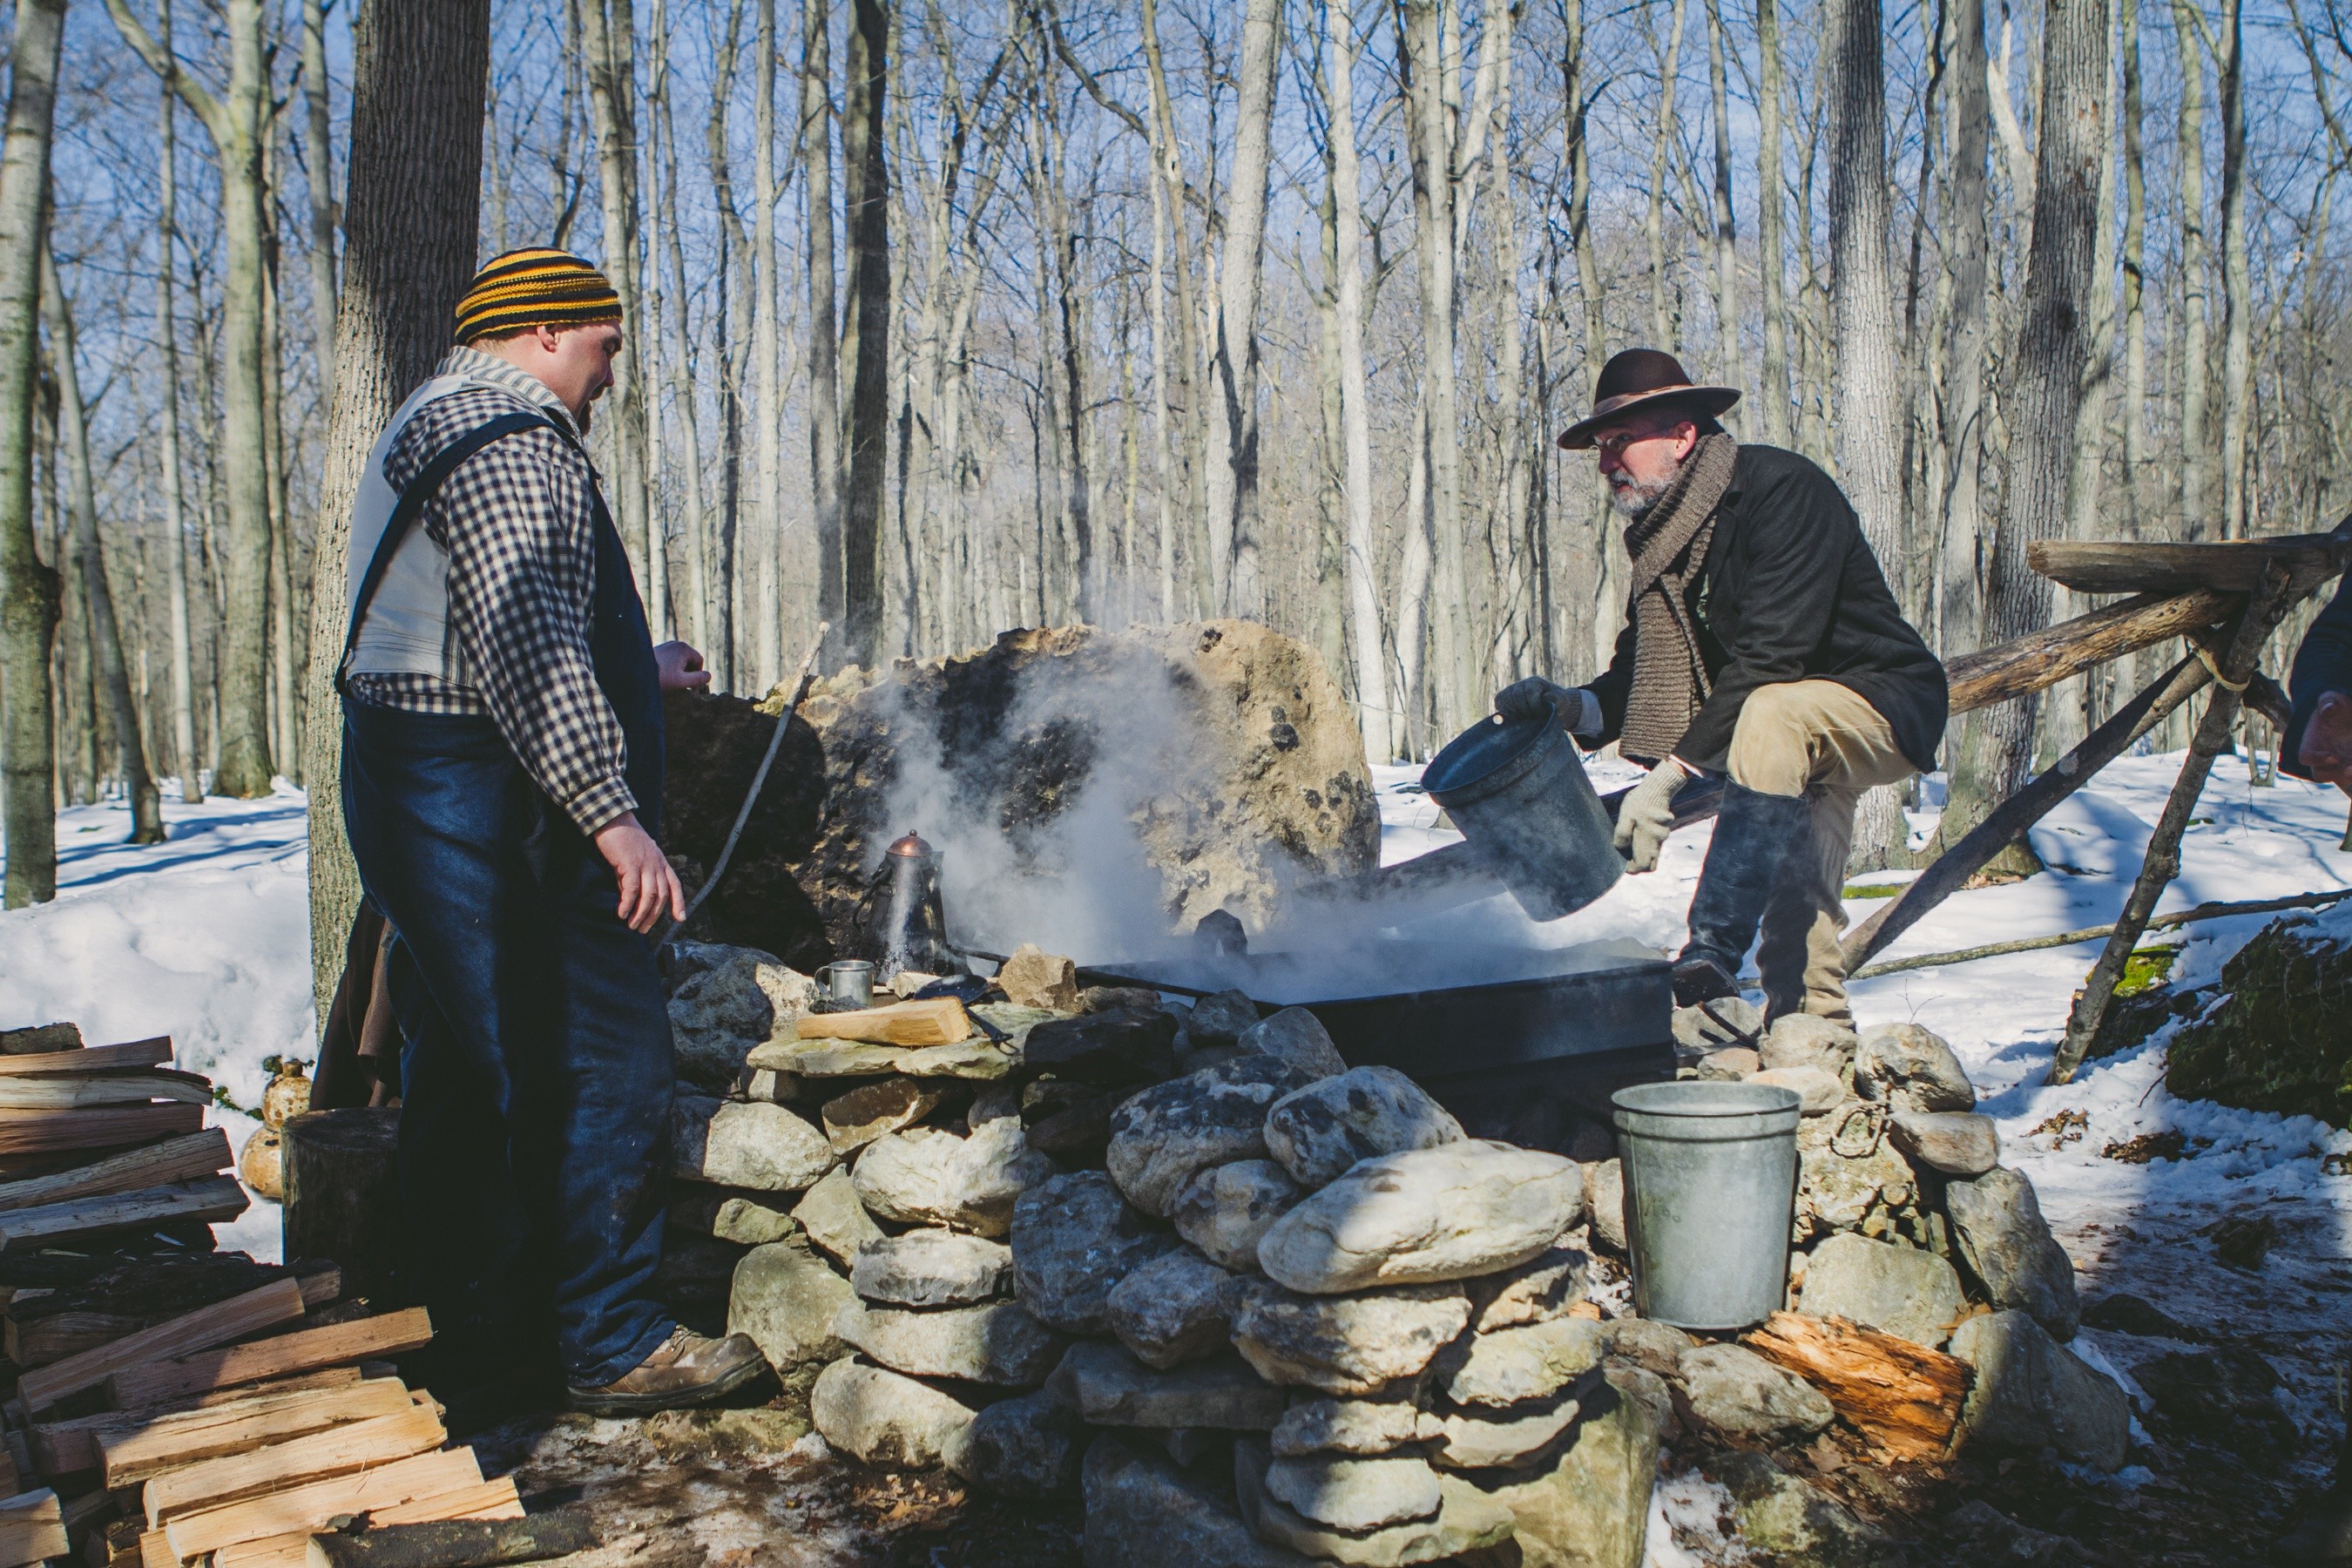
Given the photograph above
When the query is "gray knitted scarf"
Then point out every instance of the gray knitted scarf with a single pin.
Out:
(1668, 544)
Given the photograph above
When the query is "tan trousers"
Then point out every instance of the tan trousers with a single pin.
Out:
(1821, 740)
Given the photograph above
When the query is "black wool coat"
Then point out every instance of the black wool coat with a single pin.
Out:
(1789, 591)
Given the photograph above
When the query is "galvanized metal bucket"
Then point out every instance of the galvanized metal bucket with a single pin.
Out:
(1710, 1191)
(1516, 790)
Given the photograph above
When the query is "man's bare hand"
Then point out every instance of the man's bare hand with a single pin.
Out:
(681, 666)
(2327, 741)
(648, 886)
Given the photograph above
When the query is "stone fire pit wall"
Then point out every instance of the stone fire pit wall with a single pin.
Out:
(1264, 1309)
(1178, 770)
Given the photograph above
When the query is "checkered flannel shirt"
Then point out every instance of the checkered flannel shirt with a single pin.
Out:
(519, 526)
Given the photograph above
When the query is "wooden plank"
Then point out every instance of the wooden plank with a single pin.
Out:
(32, 1526)
(73, 1091)
(333, 1451)
(391, 1334)
(64, 1448)
(2237, 566)
(181, 1159)
(210, 1200)
(278, 1302)
(940, 1022)
(155, 1552)
(46, 1327)
(43, 1132)
(1905, 1397)
(90, 1058)
(491, 1499)
(2041, 660)
(288, 1550)
(313, 1503)
(129, 1455)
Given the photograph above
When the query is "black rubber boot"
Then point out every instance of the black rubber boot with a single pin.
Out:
(1759, 838)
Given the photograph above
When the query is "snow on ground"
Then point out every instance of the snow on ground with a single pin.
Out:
(204, 937)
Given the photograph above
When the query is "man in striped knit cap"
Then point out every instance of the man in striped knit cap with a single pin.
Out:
(502, 763)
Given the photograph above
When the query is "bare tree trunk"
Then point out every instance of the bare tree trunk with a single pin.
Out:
(2044, 389)
(1727, 249)
(1770, 260)
(1233, 499)
(1662, 325)
(105, 635)
(2196, 460)
(319, 155)
(1207, 581)
(697, 597)
(609, 38)
(731, 336)
(865, 209)
(167, 338)
(28, 586)
(1355, 415)
(1868, 376)
(2135, 287)
(1965, 227)
(234, 121)
(2237, 278)
(764, 562)
(413, 207)
(1432, 203)
(824, 342)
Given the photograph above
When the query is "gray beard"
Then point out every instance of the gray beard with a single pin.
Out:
(1634, 502)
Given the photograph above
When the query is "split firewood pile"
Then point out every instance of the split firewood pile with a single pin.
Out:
(1250, 1301)
(172, 1404)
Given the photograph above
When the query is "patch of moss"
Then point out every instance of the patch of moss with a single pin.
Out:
(2145, 969)
(2282, 1040)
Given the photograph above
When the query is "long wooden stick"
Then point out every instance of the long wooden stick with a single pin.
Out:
(2162, 864)
(2010, 819)
(2041, 660)
(2092, 933)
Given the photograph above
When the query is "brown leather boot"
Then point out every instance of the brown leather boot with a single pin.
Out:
(688, 1369)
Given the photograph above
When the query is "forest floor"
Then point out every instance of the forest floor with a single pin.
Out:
(205, 939)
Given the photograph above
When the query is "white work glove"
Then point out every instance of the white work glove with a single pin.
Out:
(1647, 816)
(1536, 698)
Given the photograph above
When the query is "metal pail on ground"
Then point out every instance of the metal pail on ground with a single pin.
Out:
(1710, 1191)
(1516, 790)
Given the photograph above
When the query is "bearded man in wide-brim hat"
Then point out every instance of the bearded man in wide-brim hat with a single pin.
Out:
(1761, 646)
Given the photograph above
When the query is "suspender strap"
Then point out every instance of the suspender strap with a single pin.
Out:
(411, 506)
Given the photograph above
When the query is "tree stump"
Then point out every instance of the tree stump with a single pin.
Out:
(1905, 1398)
(342, 1196)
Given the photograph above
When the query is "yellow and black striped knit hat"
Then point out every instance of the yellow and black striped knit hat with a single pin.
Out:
(533, 287)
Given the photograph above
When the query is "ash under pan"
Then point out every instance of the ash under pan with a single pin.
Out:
(1572, 1024)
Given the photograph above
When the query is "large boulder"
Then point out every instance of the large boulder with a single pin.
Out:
(724, 1001)
(1319, 1424)
(787, 1300)
(997, 1343)
(1515, 1367)
(1320, 1132)
(2281, 1038)
(1797, 1524)
(1912, 1294)
(1175, 1309)
(1344, 1344)
(1591, 1509)
(2031, 1392)
(736, 1143)
(1107, 1387)
(1354, 1494)
(1911, 1068)
(1144, 1513)
(1466, 1522)
(1025, 1446)
(1121, 784)
(1453, 1212)
(1075, 1238)
(930, 1269)
(927, 1175)
(885, 1419)
(2006, 1245)
(1226, 1210)
(1164, 1136)
(1737, 1393)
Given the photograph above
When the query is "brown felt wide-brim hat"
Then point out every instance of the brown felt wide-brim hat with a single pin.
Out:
(1636, 378)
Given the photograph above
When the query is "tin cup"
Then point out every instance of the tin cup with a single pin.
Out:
(849, 984)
